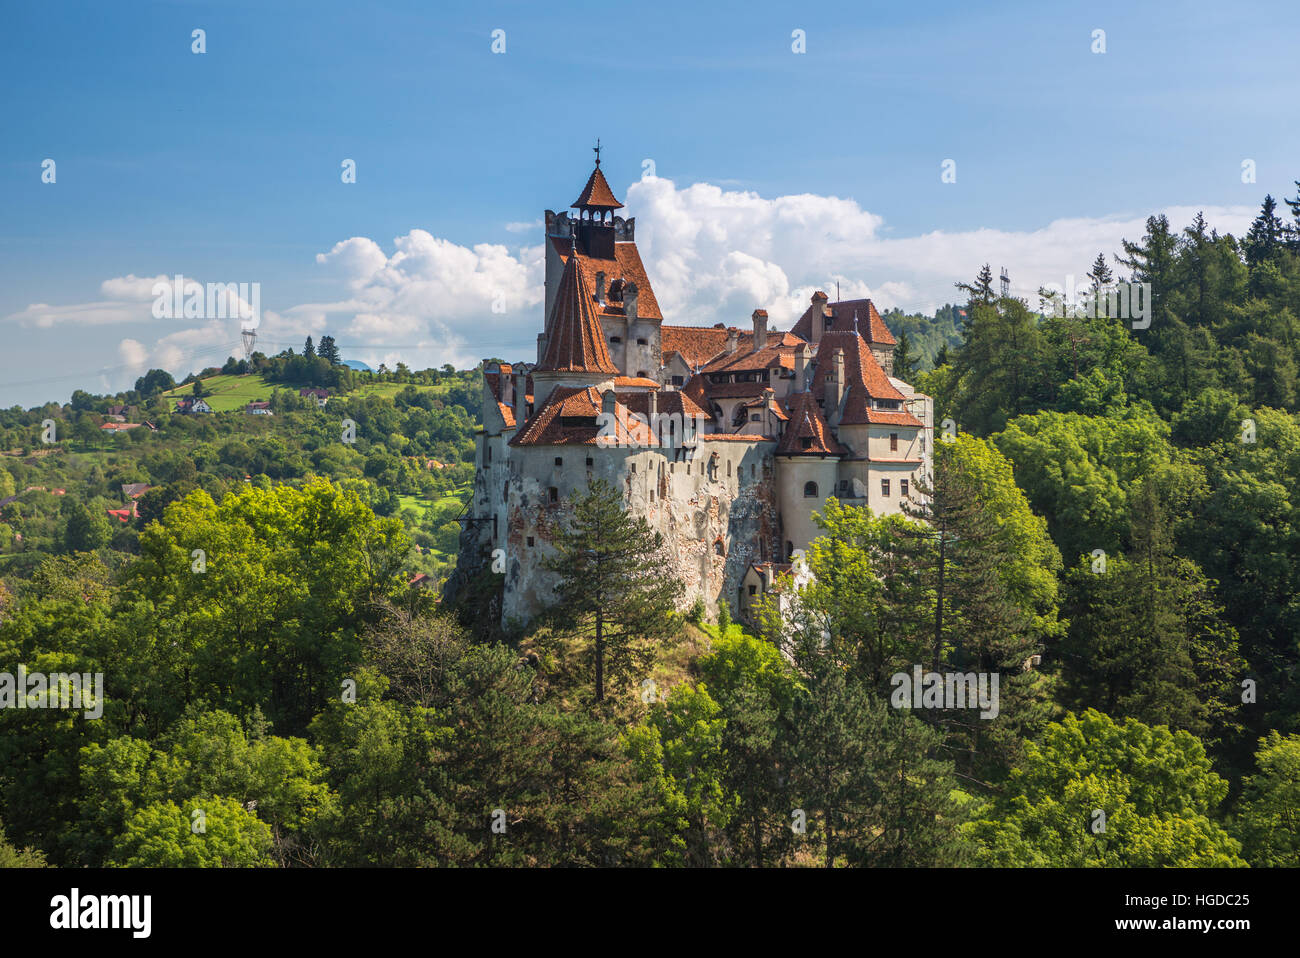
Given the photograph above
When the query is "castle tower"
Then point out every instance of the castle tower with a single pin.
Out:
(575, 353)
(604, 245)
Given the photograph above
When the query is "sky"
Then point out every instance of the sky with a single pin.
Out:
(756, 174)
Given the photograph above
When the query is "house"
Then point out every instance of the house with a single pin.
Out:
(419, 580)
(259, 409)
(123, 412)
(127, 514)
(134, 490)
(726, 440)
(320, 394)
(191, 405)
(118, 427)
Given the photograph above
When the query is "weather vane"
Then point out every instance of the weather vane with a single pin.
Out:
(596, 150)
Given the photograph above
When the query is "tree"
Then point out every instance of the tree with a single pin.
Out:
(308, 350)
(165, 835)
(1000, 365)
(1100, 274)
(1095, 793)
(905, 363)
(154, 382)
(1268, 819)
(11, 857)
(613, 584)
(328, 350)
(1266, 235)
(86, 530)
(980, 291)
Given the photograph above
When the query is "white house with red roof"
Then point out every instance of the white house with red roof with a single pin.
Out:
(725, 440)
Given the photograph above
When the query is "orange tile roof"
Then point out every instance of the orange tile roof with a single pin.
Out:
(625, 265)
(622, 382)
(494, 386)
(570, 417)
(576, 343)
(842, 319)
(597, 194)
(864, 379)
(806, 423)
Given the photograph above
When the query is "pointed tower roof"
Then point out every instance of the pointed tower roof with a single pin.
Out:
(576, 342)
(597, 195)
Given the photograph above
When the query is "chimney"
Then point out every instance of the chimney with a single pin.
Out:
(769, 397)
(520, 390)
(652, 413)
(608, 401)
(733, 339)
(541, 347)
(629, 304)
(507, 386)
(760, 329)
(802, 356)
(835, 387)
(600, 287)
(819, 315)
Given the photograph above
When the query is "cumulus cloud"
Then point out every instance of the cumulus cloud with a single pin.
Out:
(713, 255)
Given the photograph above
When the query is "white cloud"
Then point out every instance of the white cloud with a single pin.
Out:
(713, 255)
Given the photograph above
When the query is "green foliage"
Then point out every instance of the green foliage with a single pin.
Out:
(1268, 818)
(1154, 787)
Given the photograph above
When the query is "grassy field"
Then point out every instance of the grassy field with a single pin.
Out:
(389, 390)
(227, 392)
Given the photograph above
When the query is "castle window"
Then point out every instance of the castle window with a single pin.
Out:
(677, 380)
(806, 442)
(616, 339)
(884, 487)
(590, 462)
(755, 417)
(810, 490)
(844, 485)
(893, 442)
(728, 468)
(641, 342)
(631, 467)
(530, 542)
(718, 548)
(902, 486)
(789, 550)
(753, 590)
(923, 442)
(553, 494)
(494, 527)
(505, 491)
(559, 460)
(643, 374)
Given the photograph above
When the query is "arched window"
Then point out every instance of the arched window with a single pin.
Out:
(810, 490)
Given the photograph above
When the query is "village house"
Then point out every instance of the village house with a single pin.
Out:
(191, 405)
(259, 408)
(315, 392)
(724, 439)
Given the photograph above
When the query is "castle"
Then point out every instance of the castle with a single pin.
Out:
(725, 440)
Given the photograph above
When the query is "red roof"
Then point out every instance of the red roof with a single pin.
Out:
(851, 315)
(570, 417)
(597, 194)
(494, 386)
(576, 342)
(864, 381)
(626, 265)
(807, 433)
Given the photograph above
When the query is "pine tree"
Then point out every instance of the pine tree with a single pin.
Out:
(905, 363)
(328, 350)
(981, 291)
(614, 584)
(1293, 229)
(308, 349)
(1100, 274)
(1266, 234)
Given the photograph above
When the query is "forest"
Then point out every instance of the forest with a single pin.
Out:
(1109, 530)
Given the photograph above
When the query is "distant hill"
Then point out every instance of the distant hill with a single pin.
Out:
(356, 364)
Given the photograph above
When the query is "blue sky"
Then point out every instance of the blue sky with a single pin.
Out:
(225, 166)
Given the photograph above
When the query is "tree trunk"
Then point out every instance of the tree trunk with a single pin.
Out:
(600, 657)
